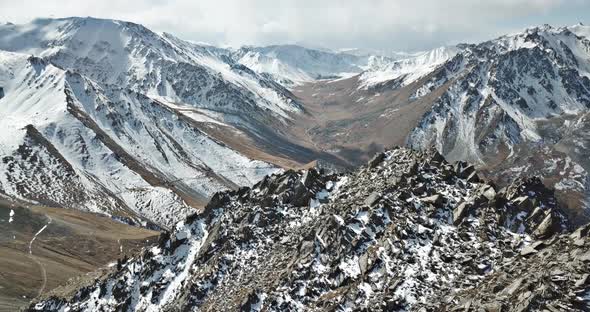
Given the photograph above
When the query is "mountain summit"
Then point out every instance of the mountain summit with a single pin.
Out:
(409, 231)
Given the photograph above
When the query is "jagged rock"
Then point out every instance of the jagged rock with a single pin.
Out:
(463, 170)
(584, 257)
(473, 178)
(310, 177)
(488, 192)
(583, 281)
(435, 200)
(372, 199)
(372, 242)
(546, 228)
(582, 232)
(376, 160)
(461, 212)
(437, 158)
(532, 248)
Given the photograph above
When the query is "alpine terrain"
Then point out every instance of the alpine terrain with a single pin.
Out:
(514, 106)
(406, 232)
(109, 117)
(144, 172)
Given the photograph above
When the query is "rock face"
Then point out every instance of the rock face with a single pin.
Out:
(516, 106)
(389, 236)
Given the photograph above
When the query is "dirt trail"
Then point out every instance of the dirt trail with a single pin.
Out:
(34, 258)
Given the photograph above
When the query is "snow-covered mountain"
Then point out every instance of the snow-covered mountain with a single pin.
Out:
(518, 104)
(409, 69)
(408, 232)
(393, 55)
(125, 54)
(105, 116)
(515, 105)
(134, 120)
(292, 65)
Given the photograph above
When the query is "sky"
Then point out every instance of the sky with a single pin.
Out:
(389, 25)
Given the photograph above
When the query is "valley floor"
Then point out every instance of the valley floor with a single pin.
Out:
(42, 248)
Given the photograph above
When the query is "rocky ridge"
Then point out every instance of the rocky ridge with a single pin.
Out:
(409, 231)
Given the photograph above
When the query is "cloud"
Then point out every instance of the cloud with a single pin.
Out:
(385, 24)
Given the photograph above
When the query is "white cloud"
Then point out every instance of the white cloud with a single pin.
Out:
(396, 24)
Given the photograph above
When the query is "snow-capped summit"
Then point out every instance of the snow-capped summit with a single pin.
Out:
(409, 69)
(105, 115)
(293, 65)
(126, 54)
(517, 104)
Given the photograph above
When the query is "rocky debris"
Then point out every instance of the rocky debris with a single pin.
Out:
(550, 276)
(376, 160)
(407, 233)
(373, 199)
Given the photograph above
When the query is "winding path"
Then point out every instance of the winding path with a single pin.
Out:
(34, 258)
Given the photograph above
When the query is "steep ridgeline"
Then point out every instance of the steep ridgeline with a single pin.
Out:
(408, 231)
(111, 117)
(516, 105)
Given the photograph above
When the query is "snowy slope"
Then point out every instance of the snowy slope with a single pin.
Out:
(123, 153)
(515, 102)
(105, 118)
(293, 65)
(409, 69)
(126, 54)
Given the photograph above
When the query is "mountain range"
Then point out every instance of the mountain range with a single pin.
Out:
(205, 143)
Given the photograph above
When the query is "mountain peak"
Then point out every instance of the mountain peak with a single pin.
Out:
(405, 229)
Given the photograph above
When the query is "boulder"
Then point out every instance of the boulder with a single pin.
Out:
(546, 228)
(473, 178)
(435, 200)
(532, 248)
(583, 281)
(376, 160)
(460, 212)
(436, 158)
(373, 199)
(463, 170)
(488, 192)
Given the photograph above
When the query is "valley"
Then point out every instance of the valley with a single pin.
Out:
(44, 248)
(196, 162)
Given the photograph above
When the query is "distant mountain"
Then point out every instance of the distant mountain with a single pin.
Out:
(293, 65)
(516, 105)
(407, 232)
(393, 55)
(408, 70)
(108, 116)
(132, 120)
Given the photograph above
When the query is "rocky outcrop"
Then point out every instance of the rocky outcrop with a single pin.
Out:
(409, 232)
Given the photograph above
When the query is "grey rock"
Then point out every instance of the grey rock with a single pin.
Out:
(376, 160)
(435, 200)
(460, 212)
(583, 281)
(373, 199)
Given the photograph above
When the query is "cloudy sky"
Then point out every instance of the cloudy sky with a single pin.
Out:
(401, 25)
